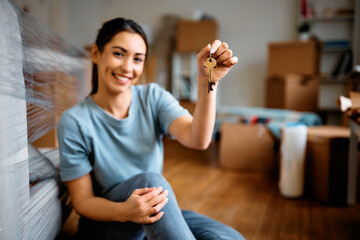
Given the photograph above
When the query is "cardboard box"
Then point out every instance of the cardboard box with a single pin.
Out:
(60, 92)
(48, 140)
(192, 36)
(293, 92)
(247, 147)
(293, 57)
(327, 163)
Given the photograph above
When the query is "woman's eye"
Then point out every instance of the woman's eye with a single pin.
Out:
(119, 54)
(138, 60)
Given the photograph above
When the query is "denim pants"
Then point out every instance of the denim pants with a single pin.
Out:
(174, 224)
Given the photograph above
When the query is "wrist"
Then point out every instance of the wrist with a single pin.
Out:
(120, 215)
(203, 85)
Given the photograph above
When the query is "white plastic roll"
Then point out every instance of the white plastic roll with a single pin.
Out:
(292, 160)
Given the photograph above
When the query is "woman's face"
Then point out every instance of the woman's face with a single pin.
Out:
(121, 63)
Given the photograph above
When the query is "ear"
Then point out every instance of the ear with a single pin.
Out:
(95, 53)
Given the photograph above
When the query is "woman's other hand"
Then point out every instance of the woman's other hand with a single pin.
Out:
(144, 205)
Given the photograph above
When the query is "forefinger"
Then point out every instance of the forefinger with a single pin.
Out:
(215, 45)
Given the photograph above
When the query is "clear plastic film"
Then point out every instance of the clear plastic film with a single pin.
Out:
(292, 160)
(41, 75)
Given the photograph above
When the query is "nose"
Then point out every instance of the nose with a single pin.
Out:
(126, 66)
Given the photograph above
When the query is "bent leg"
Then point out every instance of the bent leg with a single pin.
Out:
(95, 230)
(205, 228)
(171, 226)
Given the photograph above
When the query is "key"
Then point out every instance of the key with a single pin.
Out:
(210, 64)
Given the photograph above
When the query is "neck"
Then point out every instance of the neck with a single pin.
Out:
(115, 104)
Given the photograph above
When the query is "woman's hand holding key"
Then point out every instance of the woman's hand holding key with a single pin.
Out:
(224, 62)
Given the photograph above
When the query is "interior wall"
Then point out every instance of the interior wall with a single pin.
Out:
(247, 26)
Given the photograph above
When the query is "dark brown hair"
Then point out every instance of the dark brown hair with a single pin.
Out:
(108, 30)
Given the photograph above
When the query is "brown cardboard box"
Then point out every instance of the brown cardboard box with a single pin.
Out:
(327, 163)
(294, 92)
(293, 57)
(150, 69)
(48, 140)
(247, 147)
(192, 36)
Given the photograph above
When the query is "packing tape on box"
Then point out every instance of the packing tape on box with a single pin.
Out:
(40, 76)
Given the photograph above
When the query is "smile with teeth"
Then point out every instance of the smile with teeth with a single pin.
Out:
(121, 78)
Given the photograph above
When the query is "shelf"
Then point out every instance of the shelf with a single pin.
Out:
(335, 49)
(338, 34)
(334, 80)
(333, 110)
(329, 19)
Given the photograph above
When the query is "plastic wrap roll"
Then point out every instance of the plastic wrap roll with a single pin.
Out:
(41, 75)
(292, 160)
(14, 172)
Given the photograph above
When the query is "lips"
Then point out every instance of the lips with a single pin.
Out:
(122, 79)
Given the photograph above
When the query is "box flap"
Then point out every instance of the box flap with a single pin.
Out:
(329, 132)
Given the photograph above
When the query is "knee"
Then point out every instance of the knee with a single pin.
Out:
(150, 179)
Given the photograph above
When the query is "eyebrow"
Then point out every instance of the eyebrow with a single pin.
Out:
(124, 50)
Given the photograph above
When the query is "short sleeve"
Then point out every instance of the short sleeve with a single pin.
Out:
(168, 108)
(74, 156)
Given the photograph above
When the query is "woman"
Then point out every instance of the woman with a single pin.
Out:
(111, 143)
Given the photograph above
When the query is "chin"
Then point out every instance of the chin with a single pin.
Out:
(121, 88)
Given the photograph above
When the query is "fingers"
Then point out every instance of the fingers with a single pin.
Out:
(214, 47)
(220, 50)
(155, 218)
(142, 191)
(231, 62)
(223, 54)
(204, 53)
(152, 194)
(156, 208)
(158, 198)
(155, 204)
(145, 204)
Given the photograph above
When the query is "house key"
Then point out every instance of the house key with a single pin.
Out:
(210, 64)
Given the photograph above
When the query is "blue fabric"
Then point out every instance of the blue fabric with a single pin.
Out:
(174, 224)
(278, 117)
(113, 150)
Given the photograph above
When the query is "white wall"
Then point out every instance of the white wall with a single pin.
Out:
(246, 25)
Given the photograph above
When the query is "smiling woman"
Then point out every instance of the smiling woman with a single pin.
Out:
(119, 66)
(111, 146)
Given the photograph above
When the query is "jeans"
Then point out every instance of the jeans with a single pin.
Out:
(174, 224)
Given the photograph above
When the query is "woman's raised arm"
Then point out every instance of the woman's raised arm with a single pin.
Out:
(196, 132)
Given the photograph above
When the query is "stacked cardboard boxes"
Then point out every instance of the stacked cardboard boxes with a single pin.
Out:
(293, 80)
(292, 83)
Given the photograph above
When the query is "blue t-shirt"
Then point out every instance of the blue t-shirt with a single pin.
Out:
(112, 150)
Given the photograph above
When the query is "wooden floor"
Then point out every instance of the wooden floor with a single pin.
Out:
(248, 202)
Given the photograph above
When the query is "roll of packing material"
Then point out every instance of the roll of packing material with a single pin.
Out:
(292, 160)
